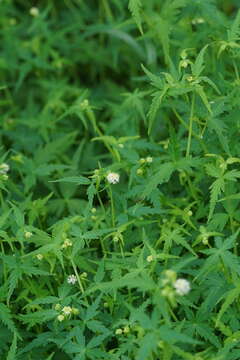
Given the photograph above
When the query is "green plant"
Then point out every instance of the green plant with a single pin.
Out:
(119, 180)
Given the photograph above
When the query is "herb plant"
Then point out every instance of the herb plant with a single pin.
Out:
(119, 180)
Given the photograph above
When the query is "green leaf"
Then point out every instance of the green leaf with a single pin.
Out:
(173, 336)
(13, 349)
(148, 345)
(19, 216)
(217, 188)
(6, 319)
(92, 309)
(198, 66)
(231, 296)
(135, 7)
(163, 175)
(201, 93)
(79, 180)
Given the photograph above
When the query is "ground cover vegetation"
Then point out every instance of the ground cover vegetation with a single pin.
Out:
(119, 180)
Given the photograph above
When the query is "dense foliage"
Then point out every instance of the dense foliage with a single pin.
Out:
(119, 180)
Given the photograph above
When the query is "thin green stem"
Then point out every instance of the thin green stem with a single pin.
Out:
(77, 276)
(107, 10)
(190, 127)
(92, 118)
(236, 70)
(112, 206)
(198, 137)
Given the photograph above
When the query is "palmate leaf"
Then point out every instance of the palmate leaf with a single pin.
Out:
(170, 236)
(131, 280)
(155, 105)
(96, 341)
(163, 28)
(217, 188)
(163, 175)
(40, 341)
(12, 351)
(38, 317)
(231, 296)
(199, 90)
(165, 171)
(165, 24)
(206, 333)
(156, 81)
(218, 185)
(96, 327)
(216, 287)
(14, 277)
(198, 66)
(92, 309)
(135, 7)
(140, 210)
(147, 345)
(6, 319)
(234, 32)
(79, 180)
(216, 125)
(173, 336)
(221, 254)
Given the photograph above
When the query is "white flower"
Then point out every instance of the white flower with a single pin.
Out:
(84, 104)
(184, 63)
(34, 11)
(126, 329)
(66, 243)
(28, 234)
(149, 159)
(4, 168)
(139, 171)
(71, 279)
(75, 311)
(149, 258)
(60, 318)
(113, 178)
(182, 286)
(57, 307)
(67, 310)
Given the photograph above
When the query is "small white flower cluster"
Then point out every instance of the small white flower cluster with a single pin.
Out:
(120, 331)
(72, 279)
(150, 258)
(83, 275)
(184, 63)
(66, 312)
(28, 234)
(84, 104)
(172, 286)
(34, 11)
(148, 159)
(182, 286)
(198, 21)
(67, 243)
(4, 168)
(113, 178)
